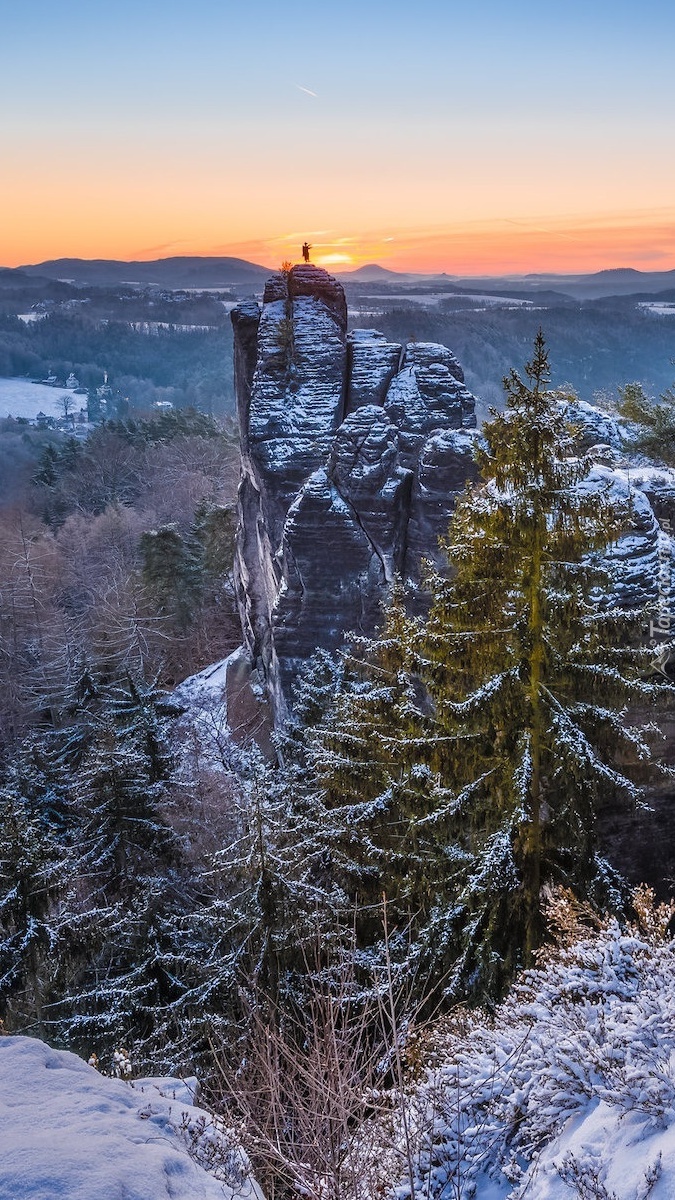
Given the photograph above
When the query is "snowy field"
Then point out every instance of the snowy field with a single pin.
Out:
(69, 1133)
(431, 298)
(21, 398)
(663, 309)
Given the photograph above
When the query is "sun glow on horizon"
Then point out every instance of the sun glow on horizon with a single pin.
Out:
(334, 260)
(642, 240)
(507, 159)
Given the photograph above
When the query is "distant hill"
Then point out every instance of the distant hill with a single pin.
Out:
(212, 272)
(372, 273)
(17, 277)
(176, 272)
(18, 287)
(619, 281)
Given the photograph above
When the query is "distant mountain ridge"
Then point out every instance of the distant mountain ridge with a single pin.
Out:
(175, 272)
(372, 272)
(196, 271)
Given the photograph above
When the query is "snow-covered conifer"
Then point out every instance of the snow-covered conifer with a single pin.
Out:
(33, 880)
(530, 671)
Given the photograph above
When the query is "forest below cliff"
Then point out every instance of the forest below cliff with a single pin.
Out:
(85, 588)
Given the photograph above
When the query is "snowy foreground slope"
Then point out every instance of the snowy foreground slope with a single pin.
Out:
(566, 1093)
(68, 1133)
(569, 1092)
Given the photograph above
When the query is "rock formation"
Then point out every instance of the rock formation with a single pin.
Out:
(353, 451)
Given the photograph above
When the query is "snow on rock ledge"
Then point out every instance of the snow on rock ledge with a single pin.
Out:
(68, 1132)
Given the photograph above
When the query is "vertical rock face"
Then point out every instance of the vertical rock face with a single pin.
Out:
(298, 387)
(353, 451)
(443, 466)
(372, 363)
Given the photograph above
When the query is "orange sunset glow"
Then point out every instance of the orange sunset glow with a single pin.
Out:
(645, 241)
(507, 246)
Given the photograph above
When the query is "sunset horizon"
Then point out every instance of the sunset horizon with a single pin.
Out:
(509, 246)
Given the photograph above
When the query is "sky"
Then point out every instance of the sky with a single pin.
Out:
(474, 138)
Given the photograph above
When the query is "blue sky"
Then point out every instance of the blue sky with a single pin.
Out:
(522, 110)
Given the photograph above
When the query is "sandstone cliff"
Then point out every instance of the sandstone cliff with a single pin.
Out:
(353, 451)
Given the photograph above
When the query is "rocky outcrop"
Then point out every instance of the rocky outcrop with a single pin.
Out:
(296, 400)
(427, 394)
(372, 362)
(354, 449)
(632, 561)
(658, 485)
(444, 465)
(594, 426)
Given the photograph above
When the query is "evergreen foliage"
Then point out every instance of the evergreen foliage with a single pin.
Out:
(185, 575)
(88, 875)
(374, 788)
(213, 534)
(530, 672)
(654, 419)
(170, 573)
(32, 873)
(465, 768)
(121, 789)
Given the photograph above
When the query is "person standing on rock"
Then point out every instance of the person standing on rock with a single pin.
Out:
(305, 251)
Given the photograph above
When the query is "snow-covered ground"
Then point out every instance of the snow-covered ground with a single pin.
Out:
(224, 710)
(658, 309)
(202, 733)
(69, 1133)
(429, 298)
(568, 1093)
(21, 398)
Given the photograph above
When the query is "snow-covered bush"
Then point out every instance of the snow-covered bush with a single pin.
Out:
(592, 1028)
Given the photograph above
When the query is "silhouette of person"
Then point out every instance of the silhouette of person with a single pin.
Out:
(305, 251)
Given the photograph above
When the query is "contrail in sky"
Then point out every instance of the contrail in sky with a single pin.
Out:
(306, 90)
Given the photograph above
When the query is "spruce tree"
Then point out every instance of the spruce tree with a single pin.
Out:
(374, 787)
(653, 421)
(212, 543)
(530, 670)
(463, 764)
(362, 798)
(171, 575)
(122, 791)
(126, 857)
(33, 880)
